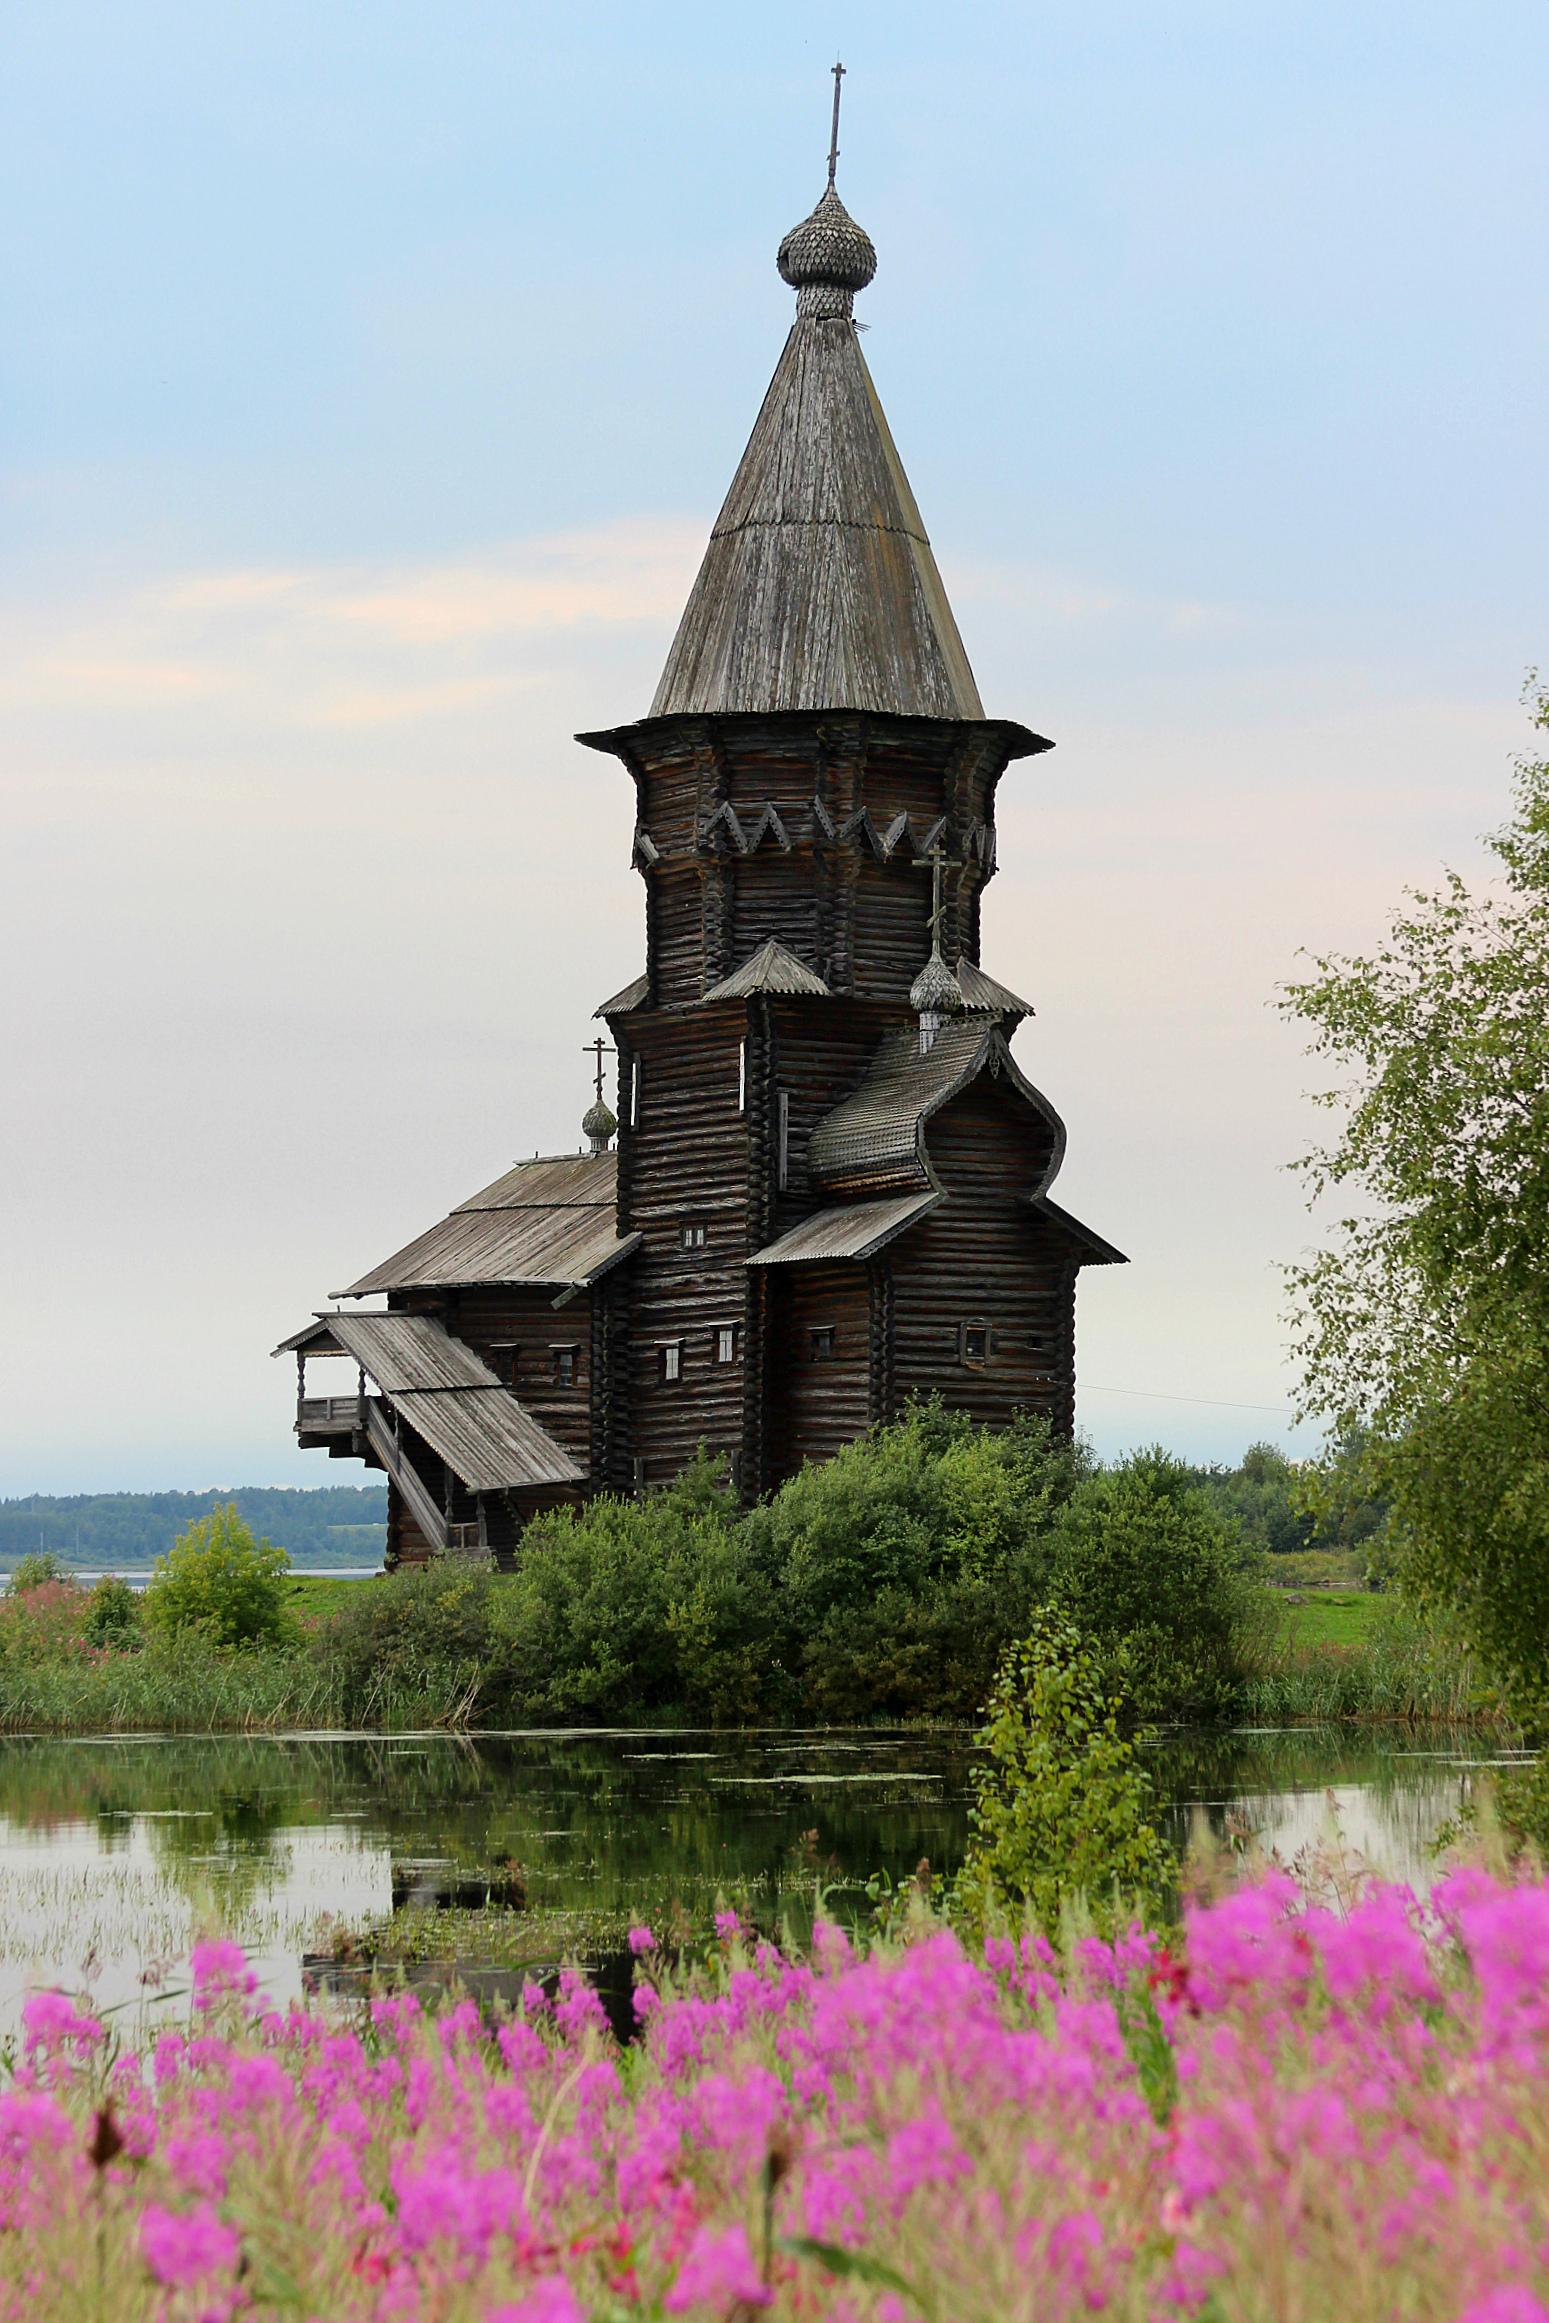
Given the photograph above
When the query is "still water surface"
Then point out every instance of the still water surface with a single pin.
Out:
(115, 1852)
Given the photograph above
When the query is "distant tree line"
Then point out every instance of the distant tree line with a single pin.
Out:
(340, 1524)
(1287, 1507)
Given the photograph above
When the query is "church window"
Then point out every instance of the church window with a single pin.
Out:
(783, 1138)
(564, 1361)
(671, 1355)
(692, 1236)
(973, 1345)
(726, 1343)
(742, 1078)
(820, 1343)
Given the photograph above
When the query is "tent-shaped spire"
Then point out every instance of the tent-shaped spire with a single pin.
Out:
(819, 590)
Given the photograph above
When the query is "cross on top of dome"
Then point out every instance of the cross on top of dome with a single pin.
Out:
(828, 258)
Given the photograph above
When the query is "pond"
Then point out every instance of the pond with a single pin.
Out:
(116, 1851)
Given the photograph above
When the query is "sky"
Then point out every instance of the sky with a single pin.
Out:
(371, 378)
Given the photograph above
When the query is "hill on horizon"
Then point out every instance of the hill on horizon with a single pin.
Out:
(337, 1524)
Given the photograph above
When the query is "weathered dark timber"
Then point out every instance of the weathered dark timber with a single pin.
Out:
(830, 1190)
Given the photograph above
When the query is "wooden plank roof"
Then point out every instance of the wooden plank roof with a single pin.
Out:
(875, 1135)
(987, 993)
(548, 1223)
(449, 1395)
(771, 969)
(849, 1230)
(634, 995)
(819, 589)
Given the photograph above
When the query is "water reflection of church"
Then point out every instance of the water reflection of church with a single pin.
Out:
(829, 1189)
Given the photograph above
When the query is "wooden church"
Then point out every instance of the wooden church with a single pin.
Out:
(826, 1189)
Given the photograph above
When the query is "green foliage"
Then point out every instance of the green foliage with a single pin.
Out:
(35, 1572)
(1426, 1318)
(628, 1606)
(1062, 1814)
(422, 1637)
(112, 1613)
(1260, 1495)
(43, 1626)
(221, 1582)
(907, 1563)
(1376, 1661)
(1155, 1579)
(1290, 1508)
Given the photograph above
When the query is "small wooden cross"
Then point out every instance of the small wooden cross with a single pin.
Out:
(939, 867)
(598, 1049)
(833, 140)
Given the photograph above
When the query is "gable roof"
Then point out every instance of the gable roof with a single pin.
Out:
(818, 589)
(450, 1397)
(551, 1224)
(771, 969)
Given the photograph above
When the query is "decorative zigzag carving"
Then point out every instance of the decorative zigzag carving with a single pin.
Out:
(725, 828)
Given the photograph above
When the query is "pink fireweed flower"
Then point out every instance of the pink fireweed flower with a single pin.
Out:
(727, 1926)
(641, 1940)
(925, 2152)
(187, 2246)
(220, 1971)
(551, 2301)
(717, 2271)
(1509, 2303)
(53, 2026)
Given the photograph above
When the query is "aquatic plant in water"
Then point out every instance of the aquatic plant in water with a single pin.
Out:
(1294, 2111)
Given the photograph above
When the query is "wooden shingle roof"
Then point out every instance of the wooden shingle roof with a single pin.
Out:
(449, 1396)
(818, 590)
(544, 1223)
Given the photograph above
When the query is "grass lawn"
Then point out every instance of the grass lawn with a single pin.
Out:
(319, 1593)
(1333, 1617)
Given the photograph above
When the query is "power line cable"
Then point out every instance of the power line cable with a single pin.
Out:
(1160, 1395)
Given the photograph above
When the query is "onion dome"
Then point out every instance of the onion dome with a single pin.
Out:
(934, 991)
(934, 996)
(598, 1123)
(827, 259)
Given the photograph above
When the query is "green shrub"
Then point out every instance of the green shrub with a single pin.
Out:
(628, 1606)
(44, 1625)
(219, 1580)
(1062, 1814)
(908, 1562)
(113, 1613)
(422, 1637)
(35, 1571)
(1156, 1579)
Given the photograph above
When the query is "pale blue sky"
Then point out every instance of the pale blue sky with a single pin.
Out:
(371, 377)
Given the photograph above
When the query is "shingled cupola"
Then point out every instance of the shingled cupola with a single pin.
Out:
(829, 1187)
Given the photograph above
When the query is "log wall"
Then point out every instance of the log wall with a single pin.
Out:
(983, 1258)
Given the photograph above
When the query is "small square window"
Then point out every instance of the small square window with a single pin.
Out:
(564, 1362)
(974, 1345)
(820, 1343)
(692, 1237)
(726, 1343)
(671, 1355)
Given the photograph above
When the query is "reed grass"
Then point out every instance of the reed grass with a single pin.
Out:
(1403, 1671)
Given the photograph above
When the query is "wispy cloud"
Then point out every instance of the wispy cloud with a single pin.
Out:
(1075, 601)
(340, 645)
